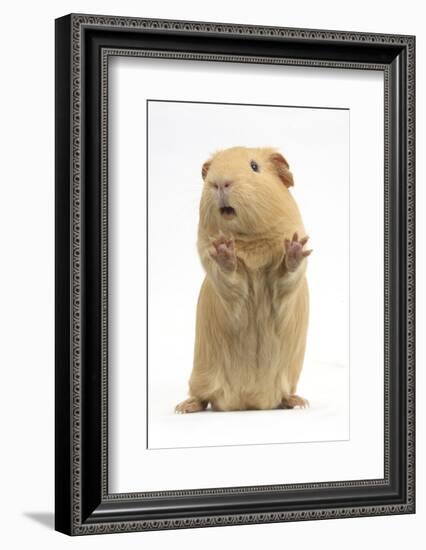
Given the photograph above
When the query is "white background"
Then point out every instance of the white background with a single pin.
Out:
(322, 192)
(26, 313)
(316, 143)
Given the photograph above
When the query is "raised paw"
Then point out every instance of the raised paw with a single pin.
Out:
(294, 401)
(294, 253)
(223, 253)
(190, 405)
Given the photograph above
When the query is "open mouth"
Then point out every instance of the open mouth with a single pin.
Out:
(227, 211)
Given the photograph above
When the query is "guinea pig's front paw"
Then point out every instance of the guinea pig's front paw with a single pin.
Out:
(223, 253)
(294, 252)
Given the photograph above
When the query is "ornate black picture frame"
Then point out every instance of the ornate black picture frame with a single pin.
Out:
(83, 46)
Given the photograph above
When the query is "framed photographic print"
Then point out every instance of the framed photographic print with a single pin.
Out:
(234, 274)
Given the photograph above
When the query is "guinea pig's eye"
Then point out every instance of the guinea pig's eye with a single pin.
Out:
(254, 166)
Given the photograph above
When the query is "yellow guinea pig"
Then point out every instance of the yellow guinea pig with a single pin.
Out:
(252, 313)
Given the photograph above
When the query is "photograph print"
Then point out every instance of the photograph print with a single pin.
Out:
(248, 274)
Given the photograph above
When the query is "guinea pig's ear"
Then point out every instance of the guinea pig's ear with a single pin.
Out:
(205, 168)
(282, 168)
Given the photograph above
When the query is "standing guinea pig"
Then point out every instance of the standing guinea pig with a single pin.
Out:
(252, 313)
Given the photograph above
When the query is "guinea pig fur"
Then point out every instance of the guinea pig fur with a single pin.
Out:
(253, 306)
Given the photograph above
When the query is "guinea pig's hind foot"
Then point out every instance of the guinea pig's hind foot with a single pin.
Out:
(191, 405)
(293, 401)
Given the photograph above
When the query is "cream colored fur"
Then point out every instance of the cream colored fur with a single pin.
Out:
(252, 312)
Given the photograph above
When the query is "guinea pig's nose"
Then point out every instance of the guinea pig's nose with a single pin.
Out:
(222, 184)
